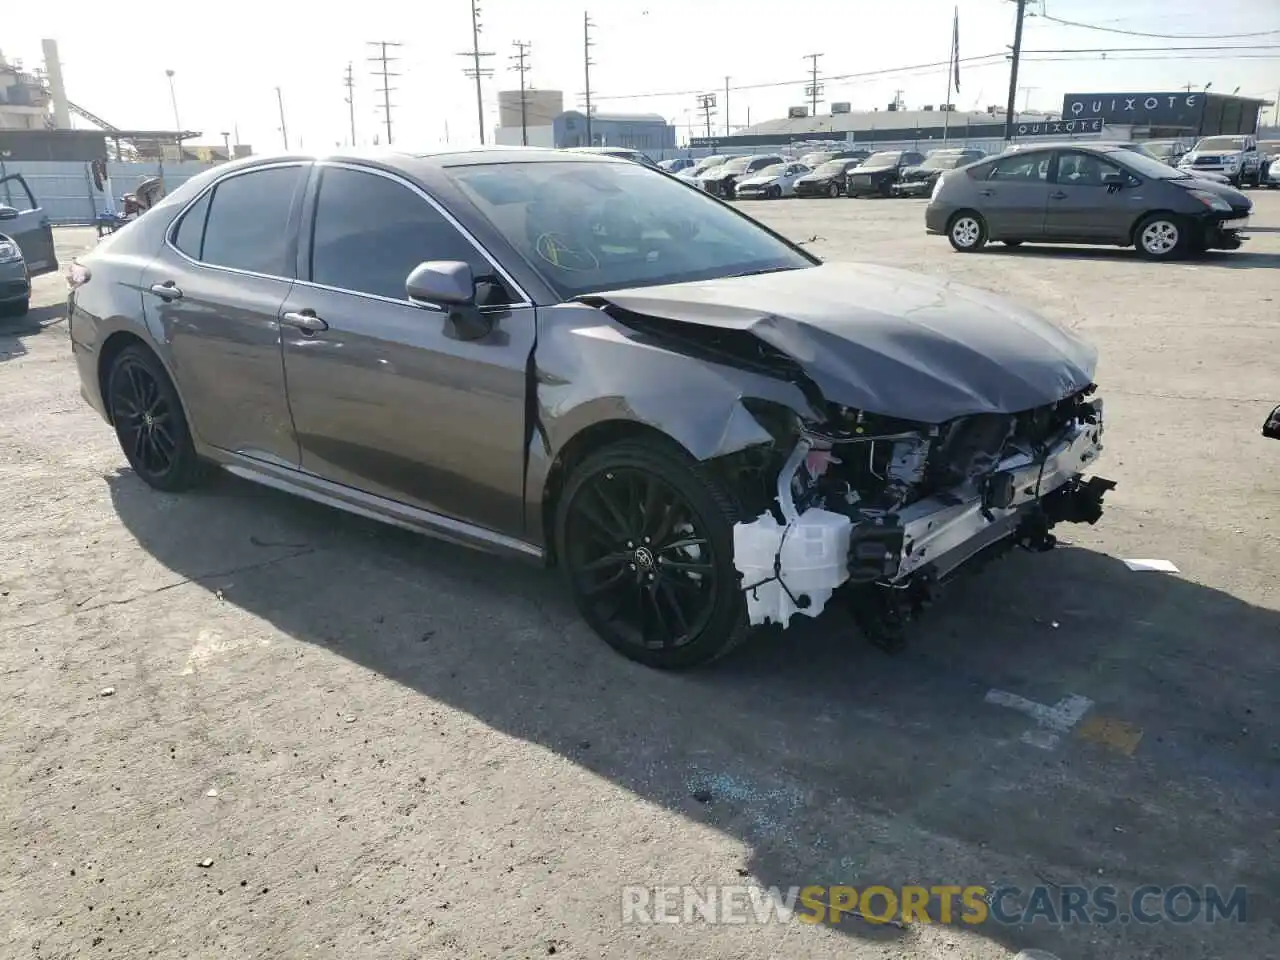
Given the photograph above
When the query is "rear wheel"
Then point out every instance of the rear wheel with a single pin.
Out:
(967, 232)
(646, 540)
(1161, 236)
(150, 423)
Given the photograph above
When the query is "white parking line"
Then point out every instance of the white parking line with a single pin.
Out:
(1052, 721)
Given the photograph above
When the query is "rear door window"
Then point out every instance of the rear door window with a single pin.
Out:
(1021, 167)
(248, 222)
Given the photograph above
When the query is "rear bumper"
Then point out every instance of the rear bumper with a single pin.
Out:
(935, 219)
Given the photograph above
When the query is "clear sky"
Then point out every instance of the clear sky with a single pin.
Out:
(229, 57)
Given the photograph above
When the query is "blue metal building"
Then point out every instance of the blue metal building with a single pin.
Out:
(639, 131)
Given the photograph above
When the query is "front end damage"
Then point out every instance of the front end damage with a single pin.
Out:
(883, 512)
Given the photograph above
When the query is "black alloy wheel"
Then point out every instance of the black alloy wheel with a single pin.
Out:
(774, 192)
(833, 191)
(150, 423)
(646, 540)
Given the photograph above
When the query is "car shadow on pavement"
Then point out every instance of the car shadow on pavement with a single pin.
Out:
(830, 761)
(1236, 259)
(14, 330)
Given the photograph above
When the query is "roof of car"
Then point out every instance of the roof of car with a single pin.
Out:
(1095, 146)
(444, 156)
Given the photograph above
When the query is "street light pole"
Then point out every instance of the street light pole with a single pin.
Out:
(177, 124)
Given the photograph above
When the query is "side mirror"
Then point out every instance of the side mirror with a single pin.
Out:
(8, 213)
(1271, 428)
(1114, 180)
(449, 284)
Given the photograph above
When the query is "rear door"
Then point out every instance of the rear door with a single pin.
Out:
(1014, 195)
(27, 224)
(1082, 207)
(214, 295)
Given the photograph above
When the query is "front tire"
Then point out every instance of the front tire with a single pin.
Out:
(774, 192)
(833, 191)
(645, 537)
(18, 308)
(1161, 236)
(967, 232)
(150, 423)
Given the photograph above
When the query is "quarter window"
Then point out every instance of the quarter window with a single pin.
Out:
(248, 222)
(1027, 167)
(190, 235)
(370, 232)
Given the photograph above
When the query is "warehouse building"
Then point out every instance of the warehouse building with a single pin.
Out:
(545, 123)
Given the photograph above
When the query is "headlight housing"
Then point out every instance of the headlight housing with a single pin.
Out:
(1211, 200)
(9, 251)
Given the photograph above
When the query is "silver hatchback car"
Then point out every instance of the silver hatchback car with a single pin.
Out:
(1086, 193)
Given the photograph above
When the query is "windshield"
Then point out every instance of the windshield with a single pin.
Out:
(942, 161)
(833, 167)
(887, 159)
(1220, 143)
(589, 227)
(814, 159)
(1147, 166)
(736, 165)
(1161, 149)
(707, 163)
(773, 170)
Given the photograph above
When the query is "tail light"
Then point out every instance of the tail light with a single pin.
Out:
(77, 275)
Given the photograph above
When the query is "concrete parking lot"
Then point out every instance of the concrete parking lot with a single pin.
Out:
(237, 724)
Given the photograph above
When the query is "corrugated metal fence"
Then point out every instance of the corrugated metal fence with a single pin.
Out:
(66, 191)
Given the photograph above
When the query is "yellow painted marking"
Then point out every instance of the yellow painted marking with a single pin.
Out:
(1116, 734)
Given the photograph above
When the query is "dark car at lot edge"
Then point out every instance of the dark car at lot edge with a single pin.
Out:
(919, 181)
(26, 244)
(827, 179)
(1085, 193)
(877, 174)
(722, 180)
(620, 153)
(582, 362)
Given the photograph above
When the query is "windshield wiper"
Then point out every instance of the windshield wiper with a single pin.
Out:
(763, 270)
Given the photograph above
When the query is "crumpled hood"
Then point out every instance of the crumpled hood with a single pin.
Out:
(872, 170)
(754, 181)
(888, 341)
(920, 173)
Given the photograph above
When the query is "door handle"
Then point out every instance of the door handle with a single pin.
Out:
(306, 321)
(1057, 195)
(985, 193)
(167, 291)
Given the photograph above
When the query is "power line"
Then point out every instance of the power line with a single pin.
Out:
(814, 88)
(522, 67)
(1160, 36)
(475, 71)
(386, 75)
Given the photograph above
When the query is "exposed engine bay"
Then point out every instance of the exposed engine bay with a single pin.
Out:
(887, 509)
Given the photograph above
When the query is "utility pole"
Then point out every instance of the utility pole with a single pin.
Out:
(1013, 71)
(385, 73)
(586, 67)
(814, 90)
(475, 71)
(707, 104)
(226, 142)
(727, 131)
(522, 67)
(284, 131)
(349, 81)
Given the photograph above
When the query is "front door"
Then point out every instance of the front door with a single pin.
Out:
(214, 295)
(384, 399)
(1014, 196)
(1082, 207)
(27, 225)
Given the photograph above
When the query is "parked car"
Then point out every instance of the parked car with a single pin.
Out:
(577, 361)
(1270, 150)
(816, 158)
(1087, 193)
(723, 179)
(1166, 151)
(919, 181)
(879, 172)
(1235, 157)
(1136, 146)
(621, 153)
(703, 166)
(771, 183)
(26, 244)
(676, 164)
(826, 180)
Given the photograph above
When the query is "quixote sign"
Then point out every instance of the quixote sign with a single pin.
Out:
(1058, 128)
(1158, 109)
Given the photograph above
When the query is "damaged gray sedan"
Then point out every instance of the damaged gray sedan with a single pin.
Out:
(584, 362)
